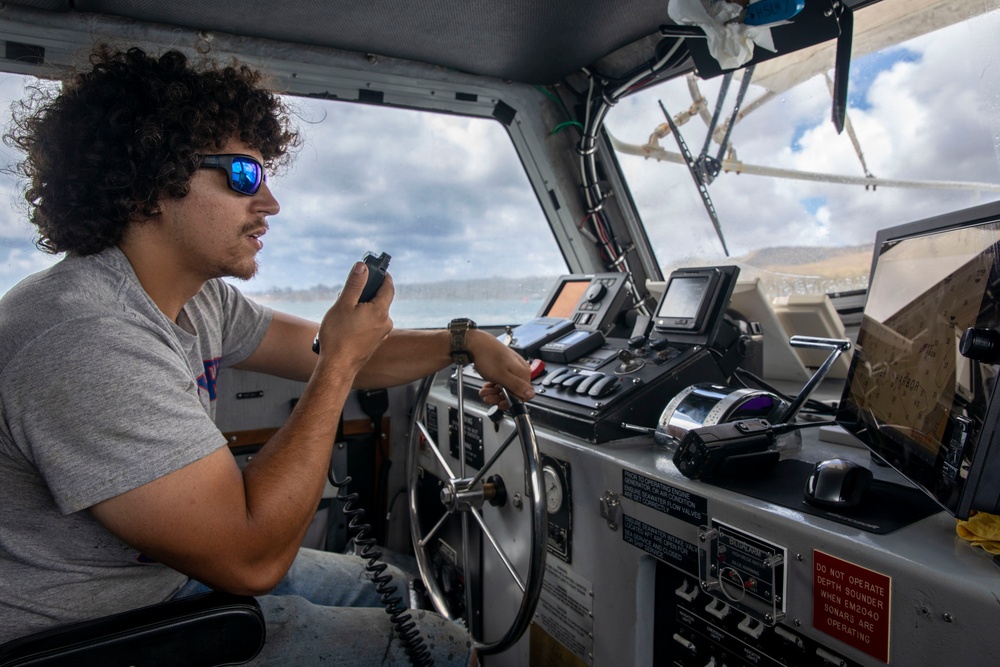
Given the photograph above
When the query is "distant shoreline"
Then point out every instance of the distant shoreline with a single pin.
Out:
(781, 271)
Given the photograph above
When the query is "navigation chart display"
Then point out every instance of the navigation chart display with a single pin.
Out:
(920, 386)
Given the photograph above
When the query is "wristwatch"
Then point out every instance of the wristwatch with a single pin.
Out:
(457, 328)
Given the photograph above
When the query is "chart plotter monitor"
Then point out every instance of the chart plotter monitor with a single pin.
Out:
(592, 301)
(920, 391)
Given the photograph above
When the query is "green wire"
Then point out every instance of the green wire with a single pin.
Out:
(545, 91)
(562, 126)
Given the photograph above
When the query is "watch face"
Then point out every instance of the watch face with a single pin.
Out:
(553, 489)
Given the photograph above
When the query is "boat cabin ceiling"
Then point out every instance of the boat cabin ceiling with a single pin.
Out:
(520, 40)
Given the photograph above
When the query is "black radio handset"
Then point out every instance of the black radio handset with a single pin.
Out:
(376, 274)
(377, 267)
(706, 450)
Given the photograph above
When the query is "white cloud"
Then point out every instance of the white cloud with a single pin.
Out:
(444, 190)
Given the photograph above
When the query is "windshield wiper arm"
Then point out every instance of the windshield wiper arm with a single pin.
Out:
(699, 175)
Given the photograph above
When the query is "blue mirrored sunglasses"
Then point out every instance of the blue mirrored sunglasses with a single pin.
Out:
(245, 173)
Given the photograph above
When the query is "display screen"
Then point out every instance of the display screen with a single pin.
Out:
(574, 338)
(911, 396)
(683, 297)
(564, 303)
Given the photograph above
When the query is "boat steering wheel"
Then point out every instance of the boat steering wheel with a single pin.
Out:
(465, 496)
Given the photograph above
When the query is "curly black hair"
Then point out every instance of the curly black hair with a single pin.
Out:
(102, 152)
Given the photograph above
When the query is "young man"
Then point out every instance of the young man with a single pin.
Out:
(119, 491)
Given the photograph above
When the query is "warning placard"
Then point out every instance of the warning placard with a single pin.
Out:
(852, 603)
(678, 503)
(566, 610)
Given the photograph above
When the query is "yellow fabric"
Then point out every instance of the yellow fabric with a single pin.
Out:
(982, 530)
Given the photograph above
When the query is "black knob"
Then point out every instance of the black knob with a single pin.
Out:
(495, 414)
(659, 344)
(495, 491)
(980, 345)
(636, 342)
(595, 292)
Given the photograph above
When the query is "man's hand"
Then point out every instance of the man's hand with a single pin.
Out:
(351, 331)
(500, 367)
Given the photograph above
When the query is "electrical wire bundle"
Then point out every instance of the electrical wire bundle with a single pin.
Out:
(601, 95)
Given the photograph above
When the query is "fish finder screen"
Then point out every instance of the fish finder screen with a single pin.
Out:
(684, 297)
(692, 305)
(564, 302)
(912, 396)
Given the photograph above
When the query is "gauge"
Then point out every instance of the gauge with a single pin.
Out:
(553, 489)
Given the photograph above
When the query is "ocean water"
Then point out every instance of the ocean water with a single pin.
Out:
(426, 313)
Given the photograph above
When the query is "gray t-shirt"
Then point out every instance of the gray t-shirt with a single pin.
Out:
(99, 393)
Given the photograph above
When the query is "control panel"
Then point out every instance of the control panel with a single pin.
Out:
(593, 396)
(744, 571)
(694, 629)
(646, 566)
(652, 566)
(600, 388)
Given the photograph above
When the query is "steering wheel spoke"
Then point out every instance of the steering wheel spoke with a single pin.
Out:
(434, 449)
(500, 552)
(423, 542)
(495, 457)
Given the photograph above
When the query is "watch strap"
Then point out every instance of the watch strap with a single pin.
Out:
(457, 330)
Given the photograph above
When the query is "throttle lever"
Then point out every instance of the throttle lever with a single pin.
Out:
(835, 346)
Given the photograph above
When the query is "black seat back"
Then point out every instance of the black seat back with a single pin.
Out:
(207, 629)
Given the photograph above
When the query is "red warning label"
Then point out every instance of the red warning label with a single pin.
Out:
(851, 603)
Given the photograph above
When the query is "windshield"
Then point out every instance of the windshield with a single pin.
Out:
(919, 140)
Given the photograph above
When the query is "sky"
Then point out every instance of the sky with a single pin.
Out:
(18, 256)
(447, 197)
(436, 192)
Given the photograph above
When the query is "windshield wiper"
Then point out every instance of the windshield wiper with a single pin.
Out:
(705, 168)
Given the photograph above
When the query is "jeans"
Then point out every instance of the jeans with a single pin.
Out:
(326, 610)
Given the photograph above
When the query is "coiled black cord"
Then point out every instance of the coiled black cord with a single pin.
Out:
(406, 629)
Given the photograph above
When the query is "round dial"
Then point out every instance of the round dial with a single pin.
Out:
(553, 489)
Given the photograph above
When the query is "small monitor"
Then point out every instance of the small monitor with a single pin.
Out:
(592, 301)
(694, 301)
(920, 391)
(684, 301)
(569, 291)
